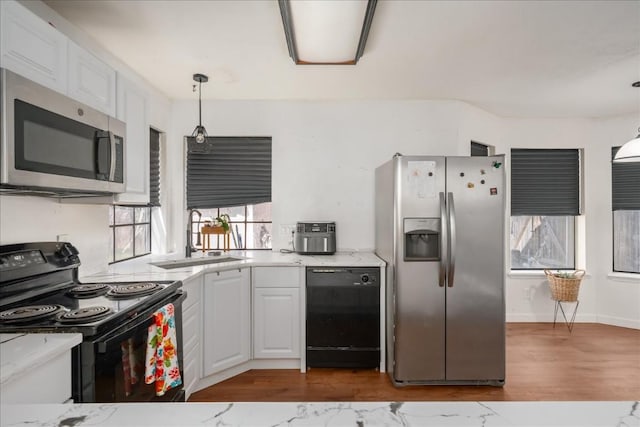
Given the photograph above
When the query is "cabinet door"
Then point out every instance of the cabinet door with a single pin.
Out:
(132, 109)
(32, 48)
(91, 81)
(226, 309)
(276, 323)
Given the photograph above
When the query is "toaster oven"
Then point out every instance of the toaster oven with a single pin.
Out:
(315, 238)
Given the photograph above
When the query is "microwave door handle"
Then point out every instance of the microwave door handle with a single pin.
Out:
(103, 152)
(112, 159)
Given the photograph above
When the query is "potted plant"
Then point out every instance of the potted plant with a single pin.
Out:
(223, 221)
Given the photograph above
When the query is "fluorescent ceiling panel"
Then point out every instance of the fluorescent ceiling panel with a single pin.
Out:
(327, 31)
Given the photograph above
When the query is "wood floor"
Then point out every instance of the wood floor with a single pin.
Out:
(595, 362)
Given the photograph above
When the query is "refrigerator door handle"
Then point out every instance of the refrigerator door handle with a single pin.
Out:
(442, 277)
(452, 239)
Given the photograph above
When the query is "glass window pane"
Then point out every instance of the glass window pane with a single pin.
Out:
(111, 209)
(207, 215)
(259, 236)
(142, 214)
(237, 238)
(236, 213)
(626, 241)
(260, 212)
(142, 240)
(124, 243)
(124, 215)
(539, 242)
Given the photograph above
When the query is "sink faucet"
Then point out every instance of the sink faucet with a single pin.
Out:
(189, 247)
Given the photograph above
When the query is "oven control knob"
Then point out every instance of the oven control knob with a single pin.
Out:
(67, 251)
(364, 278)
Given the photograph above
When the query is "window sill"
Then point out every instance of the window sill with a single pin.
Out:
(535, 274)
(624, 277)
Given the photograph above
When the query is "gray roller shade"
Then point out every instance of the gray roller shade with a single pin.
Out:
(625, 180)
(154, 168)
(478, 149)
(545, 182)
(228, 171)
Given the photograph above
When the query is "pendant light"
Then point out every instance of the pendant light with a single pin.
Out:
(629, 152)
(200, 132)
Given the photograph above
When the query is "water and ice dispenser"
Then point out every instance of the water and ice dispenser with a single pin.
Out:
(422, 239)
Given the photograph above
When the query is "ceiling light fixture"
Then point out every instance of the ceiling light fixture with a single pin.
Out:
(326, 32)
(630, 152)
(200, 132)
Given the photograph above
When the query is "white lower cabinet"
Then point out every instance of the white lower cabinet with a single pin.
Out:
(276, 323)
(191, 334)
(227, 320)
(276, 312)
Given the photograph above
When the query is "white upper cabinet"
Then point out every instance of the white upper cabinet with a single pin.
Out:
(33, 48)
(91, 81)
(132, 109)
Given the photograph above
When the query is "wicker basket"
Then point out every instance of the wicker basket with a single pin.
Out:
(564, 289)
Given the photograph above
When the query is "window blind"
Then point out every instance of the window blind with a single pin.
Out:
(545, 182)
(154, 167)
(625, 180)
(478, 149)
(228, 171)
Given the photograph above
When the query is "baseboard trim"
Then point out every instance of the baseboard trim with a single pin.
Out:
(619, 321)
(548, 317)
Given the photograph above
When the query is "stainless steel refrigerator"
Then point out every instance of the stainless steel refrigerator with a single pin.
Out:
(440, 228)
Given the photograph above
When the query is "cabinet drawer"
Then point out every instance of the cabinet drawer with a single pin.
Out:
(279, 277)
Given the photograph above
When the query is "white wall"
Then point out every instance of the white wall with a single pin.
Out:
(324, 153)
(39, 219)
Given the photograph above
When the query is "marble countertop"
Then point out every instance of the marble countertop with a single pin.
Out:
(20, 353)
(142, 269)
(485, 414)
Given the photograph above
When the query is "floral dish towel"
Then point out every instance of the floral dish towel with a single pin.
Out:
(162, 358)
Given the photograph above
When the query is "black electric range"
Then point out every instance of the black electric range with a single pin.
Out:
(40, 292)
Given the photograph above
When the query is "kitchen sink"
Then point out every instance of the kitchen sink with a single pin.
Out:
(189, 262)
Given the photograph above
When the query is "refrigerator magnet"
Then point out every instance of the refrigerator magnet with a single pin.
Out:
(493, 191)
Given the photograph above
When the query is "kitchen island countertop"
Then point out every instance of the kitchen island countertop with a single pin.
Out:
(485, 414)
(20, 353)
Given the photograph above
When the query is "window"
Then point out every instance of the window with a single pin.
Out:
(625, 194)
(129, 232)
(539, 242)
(250, 225)
(154, 167)
(478, 149)
(130, 226)
(236, 172)
(545, 198)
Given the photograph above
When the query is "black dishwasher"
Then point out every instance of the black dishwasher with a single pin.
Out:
(343, 317)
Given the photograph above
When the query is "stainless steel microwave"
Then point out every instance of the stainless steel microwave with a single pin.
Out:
(52, 142)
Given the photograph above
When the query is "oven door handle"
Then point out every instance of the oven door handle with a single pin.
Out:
(122, 332)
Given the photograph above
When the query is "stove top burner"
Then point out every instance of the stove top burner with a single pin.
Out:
(89, 291)
(133, 290)
(84, 315)
(29, 313)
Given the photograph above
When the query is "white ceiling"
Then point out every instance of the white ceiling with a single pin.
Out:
(513, 58)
